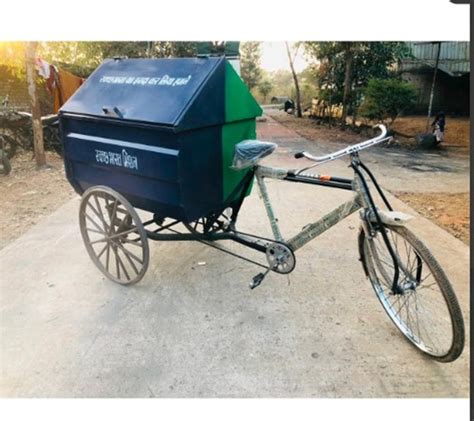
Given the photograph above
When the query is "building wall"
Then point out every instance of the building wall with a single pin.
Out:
(451, 94)
(17, 91)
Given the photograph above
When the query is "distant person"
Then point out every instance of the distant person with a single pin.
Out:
(438, 125)
(289, 106)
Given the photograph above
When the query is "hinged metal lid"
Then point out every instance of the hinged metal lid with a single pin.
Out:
(158, 91)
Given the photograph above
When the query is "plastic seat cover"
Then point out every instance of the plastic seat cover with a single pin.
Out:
(248, 152)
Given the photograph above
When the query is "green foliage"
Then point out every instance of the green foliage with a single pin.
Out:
(386, 98)
(308, 80)
(82, 57)
(370, 60)
(250, 63)
(229, 48)
(265, 87)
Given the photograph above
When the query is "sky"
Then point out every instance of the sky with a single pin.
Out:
(274, 57)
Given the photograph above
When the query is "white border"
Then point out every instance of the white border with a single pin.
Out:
(235, 409)
(381, 20)
(242, 20)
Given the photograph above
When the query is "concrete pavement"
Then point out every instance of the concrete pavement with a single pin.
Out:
(189, 330)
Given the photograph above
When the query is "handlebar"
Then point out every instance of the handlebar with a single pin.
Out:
(382, 137)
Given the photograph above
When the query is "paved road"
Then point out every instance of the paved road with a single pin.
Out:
(189, 330)
(403, 169)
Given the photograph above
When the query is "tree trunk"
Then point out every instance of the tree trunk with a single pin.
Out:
(433, 84)
(35, 105)
(299, 114)
(349, 55)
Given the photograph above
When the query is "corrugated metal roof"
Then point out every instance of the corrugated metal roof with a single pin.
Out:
(453, 58)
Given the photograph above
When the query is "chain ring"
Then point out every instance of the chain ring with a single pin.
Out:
(280, 258)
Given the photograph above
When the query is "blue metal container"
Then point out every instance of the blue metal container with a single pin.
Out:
(160, 132)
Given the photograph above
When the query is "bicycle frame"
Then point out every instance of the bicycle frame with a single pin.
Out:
(314, 229)
(361, 200)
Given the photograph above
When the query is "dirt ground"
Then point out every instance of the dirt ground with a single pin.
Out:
(456, 132)
(28, 194)
(449, 210)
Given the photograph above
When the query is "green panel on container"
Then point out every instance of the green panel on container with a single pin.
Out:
(239, 102)
(241, 109)
(233, 133)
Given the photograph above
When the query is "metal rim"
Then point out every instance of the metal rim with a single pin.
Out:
(421, 312)
(114, 235)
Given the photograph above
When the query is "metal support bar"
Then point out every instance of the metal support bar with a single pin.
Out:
(317, 228)
(396, 275)
(340, 183)
(268, 208)
(212, 236)
(374, 181)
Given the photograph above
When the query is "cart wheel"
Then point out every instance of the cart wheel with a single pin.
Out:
(113, 235)
(204, 225)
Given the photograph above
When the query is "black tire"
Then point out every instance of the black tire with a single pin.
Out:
(113, 233)
(420, 291)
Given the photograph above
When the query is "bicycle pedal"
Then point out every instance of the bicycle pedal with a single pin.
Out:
(256, 280)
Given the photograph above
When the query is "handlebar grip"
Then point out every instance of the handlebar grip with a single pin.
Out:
(299, 155)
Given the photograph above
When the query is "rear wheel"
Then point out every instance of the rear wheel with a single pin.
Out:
(209, 224)
(113, 235)
(426, 310)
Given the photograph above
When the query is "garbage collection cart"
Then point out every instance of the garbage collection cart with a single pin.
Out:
(174, 137)
(157, 135)
(161, 132)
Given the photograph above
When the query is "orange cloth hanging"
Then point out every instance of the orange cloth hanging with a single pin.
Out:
(66, 84)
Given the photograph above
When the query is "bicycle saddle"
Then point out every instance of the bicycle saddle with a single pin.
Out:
(248, 152)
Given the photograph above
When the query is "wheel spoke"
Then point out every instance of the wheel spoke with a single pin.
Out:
(108, 223)
(121, 264)
(101, 215)
(421, 311)
(130, 261)
(129, 253)
(96, 213)
(117, 267)
(118, 234)
(100, 240)
(95, 224)
(95, 231)
(103, 250)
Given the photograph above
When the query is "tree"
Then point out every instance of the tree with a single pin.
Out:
(387, 98)
(291, 60)
(348, 58)
(346, 67)
(265, 88)
(82, 57)
(30, 56)
(250, 63)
